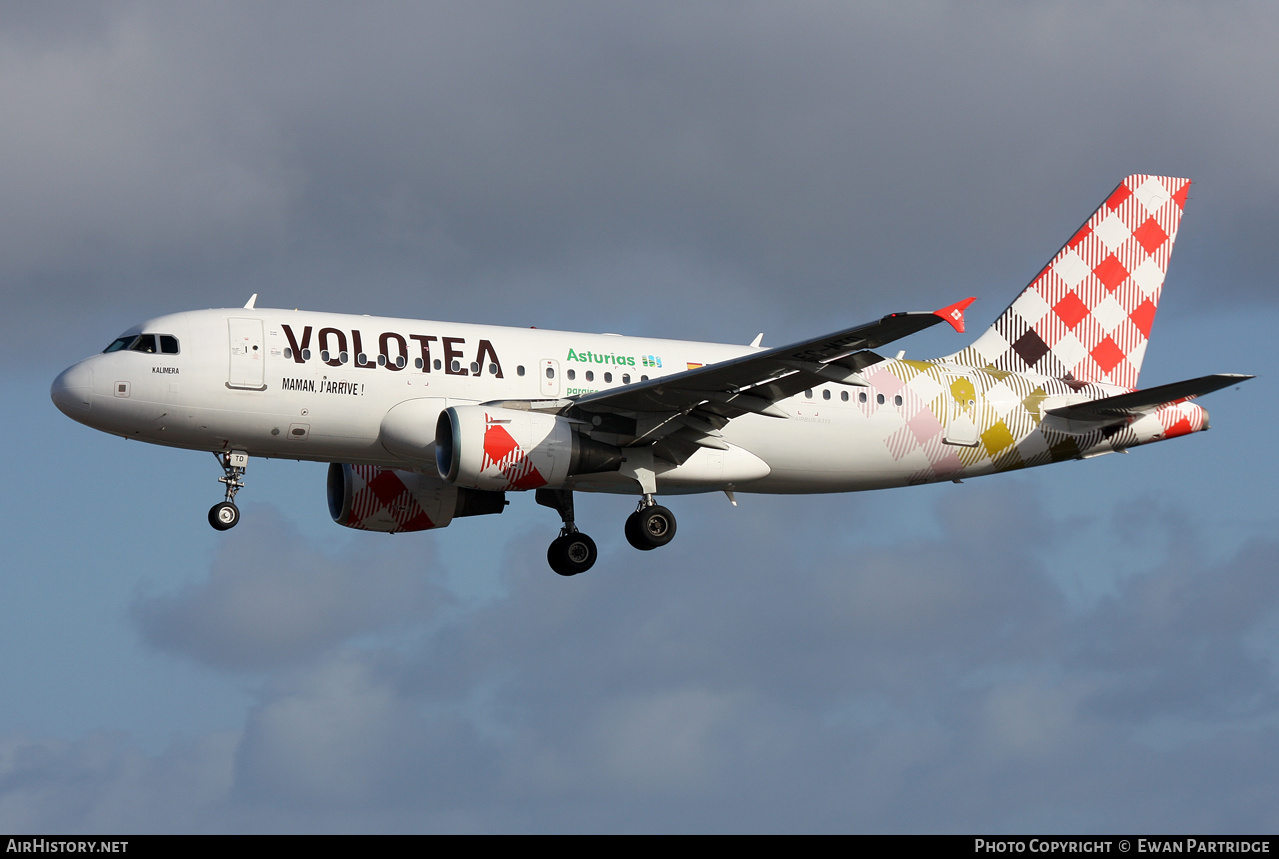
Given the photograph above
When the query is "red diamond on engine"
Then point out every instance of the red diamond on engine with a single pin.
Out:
(1107, 354)
(498, 443)
(1071, 310)
(1111, 272)
(386, 487)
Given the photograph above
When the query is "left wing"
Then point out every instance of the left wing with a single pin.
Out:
(686, 410)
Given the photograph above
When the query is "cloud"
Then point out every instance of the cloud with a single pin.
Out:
(841, 680)
(462, 159)
(271, 598)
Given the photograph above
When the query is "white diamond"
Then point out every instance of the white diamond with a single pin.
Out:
(1136, 353)
(1148, 276)
(1152, 194)
(1113, 232)
(1069, 351)
(1071, 269)
(1031, 306)
(1109, 314)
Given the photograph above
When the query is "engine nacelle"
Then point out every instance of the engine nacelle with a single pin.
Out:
(372, 498)
(483, 447)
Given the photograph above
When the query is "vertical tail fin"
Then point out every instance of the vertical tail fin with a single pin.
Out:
(1087, 315)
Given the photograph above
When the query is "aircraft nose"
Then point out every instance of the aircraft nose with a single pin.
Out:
(72, 389)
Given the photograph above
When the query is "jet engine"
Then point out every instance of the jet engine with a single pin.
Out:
(372, 498)
(484, 447)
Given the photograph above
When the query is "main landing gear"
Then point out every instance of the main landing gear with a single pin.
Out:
(226, 515)
(572, 552)
(650, 526)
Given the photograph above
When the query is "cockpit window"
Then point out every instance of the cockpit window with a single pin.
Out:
(144, 343)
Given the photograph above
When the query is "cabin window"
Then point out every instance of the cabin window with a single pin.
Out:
(438, 363)
(572, 374)
(643, 378)
(519, 371)
(400, 362)
(879, 398)
(417, 362)
(608, 377)
(361, 358)
(306, 354)
(550, 372)
(324, 355)
(861, 397)
(288, 353)
(381, 360)
(843, 395)
(492, 369)
(897, 400)
(825, 395)
(809, 393)
(475, 368)
(626, 378)
(590, 375)
(455, 366)
(343, 357)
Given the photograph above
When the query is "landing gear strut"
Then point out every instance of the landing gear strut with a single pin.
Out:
(226, 515)
(650, 526)
(572, 552)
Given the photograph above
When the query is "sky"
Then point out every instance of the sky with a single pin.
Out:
(1090, 647)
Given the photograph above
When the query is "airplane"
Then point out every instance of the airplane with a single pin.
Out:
(425, 422)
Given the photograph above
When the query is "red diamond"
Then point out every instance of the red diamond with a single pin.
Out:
(1180, 197)
(1143, 317)
(1181, 427)
(498, 443)
(1071, 310)
(386, 487)
(1150, 235)
(1107, 354)
(419, 522)
(1111, 272)
(1117, 199)
(532, 480)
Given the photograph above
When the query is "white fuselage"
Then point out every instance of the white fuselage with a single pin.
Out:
(318, 386)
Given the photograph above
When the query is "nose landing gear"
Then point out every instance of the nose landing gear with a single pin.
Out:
(226, 515)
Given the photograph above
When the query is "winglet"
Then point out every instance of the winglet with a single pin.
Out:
(253, 299)
(954, 313)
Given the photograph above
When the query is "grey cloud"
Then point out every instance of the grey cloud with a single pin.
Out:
(270, 598)
(836, 679)
(455, 158)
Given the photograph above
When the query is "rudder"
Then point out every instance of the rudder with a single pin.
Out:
(1087, 315)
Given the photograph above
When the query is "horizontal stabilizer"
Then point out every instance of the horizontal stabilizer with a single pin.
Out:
(1108, 409)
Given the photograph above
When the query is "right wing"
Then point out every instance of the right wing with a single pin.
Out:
(684, 411)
